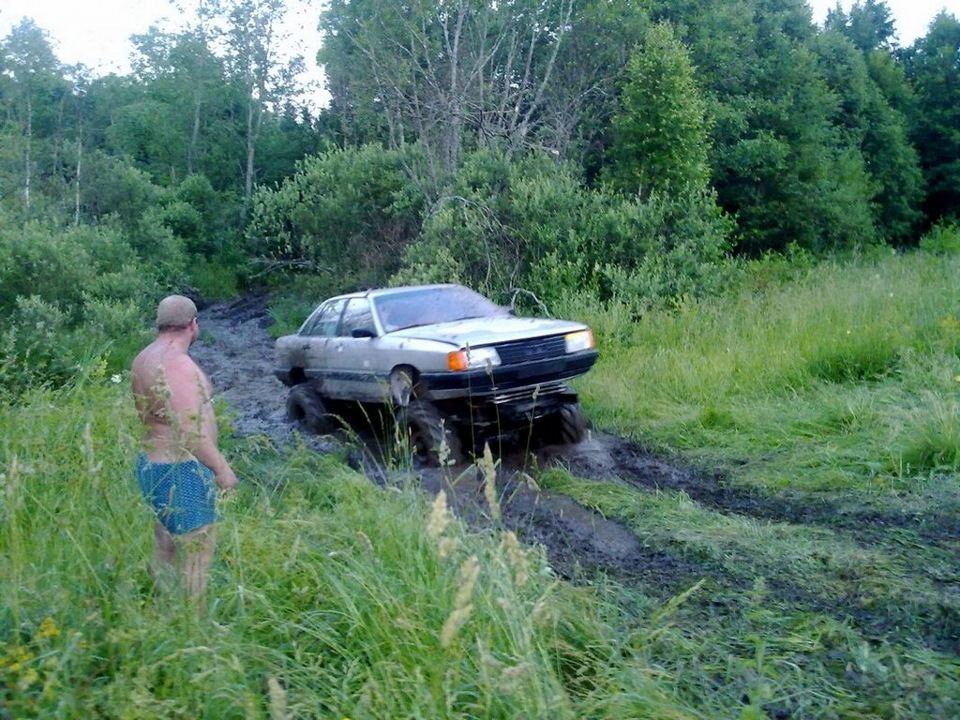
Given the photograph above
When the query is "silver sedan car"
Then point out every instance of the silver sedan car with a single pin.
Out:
(453, 366)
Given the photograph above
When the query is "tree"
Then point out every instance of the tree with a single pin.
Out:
(933, 67)
(869, 25)
(660, 134)
(34, 103)
(448, 73)
(870, 125)
(779, 164)
(254, 38)
(181, 72)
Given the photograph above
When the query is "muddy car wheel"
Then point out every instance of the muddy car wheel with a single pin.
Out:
(426, 430)
(573, 426)
(401, 386)
(567, 426)
(305, 406)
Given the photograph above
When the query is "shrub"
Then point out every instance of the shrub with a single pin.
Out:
(941, 239)
(530, 223)
(346, 213)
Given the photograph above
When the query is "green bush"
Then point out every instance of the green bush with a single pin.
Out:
(942, 238)
(69, 298)
(531, 224)
(347, 214)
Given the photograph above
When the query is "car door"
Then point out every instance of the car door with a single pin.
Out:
(315, 337)
(352, 355)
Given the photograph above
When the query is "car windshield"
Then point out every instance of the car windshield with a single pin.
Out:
(431, 305)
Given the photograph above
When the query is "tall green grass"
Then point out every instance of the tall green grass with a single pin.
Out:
(330, 597)
(855, 364)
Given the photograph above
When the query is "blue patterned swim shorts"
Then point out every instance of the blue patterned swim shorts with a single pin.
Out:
(183, 494)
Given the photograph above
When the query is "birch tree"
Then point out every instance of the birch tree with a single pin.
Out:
(446, 73)
(257, 59)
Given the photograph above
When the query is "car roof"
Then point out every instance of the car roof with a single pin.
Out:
(374, 292)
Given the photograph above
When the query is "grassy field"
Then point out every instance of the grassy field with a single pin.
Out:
(812, 573)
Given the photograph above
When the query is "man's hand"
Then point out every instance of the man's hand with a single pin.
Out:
(226, 478)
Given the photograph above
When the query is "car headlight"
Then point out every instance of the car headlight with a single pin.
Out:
(580, 340)
(470, 358)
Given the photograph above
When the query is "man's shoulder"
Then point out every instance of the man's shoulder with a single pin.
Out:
(182, 363)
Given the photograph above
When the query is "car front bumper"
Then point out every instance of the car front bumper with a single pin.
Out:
(501, 383)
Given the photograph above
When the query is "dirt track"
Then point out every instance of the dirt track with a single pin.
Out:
(236, 351)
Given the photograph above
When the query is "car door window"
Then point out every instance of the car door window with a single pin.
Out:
(356, 316)
(324, 323)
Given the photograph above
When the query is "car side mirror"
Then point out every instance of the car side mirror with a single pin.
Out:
(363, 332)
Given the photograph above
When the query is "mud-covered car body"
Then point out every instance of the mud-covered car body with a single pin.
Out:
(474, 362)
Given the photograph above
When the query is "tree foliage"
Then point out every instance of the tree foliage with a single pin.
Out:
(933, 66)
(346, 214)
(532, 224)
(869, 25)
(660, 134)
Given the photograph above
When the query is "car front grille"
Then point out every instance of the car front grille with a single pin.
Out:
(523, 351)
(529, 393)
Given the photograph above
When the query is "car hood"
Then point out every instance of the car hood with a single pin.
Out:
(489, 331)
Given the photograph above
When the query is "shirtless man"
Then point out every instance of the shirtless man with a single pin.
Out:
(180, 461)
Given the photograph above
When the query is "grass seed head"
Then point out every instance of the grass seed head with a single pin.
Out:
(447, 547)
(365, 541)
(489, 470)
(439, 516)
(517, 556)
(451, 627)
(469, 572)
(278, 699)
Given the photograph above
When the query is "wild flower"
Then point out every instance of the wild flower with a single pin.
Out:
(27, 679)
(48, 629)
(443, 452)
(16, 663)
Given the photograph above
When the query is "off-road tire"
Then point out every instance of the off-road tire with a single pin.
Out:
(402, 386)
(566, 426)
(305, 406)
(424, 430)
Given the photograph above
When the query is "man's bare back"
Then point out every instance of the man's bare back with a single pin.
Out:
(174, 398)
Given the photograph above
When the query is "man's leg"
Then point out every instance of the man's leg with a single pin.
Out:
(164, 552)
(197, 547)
